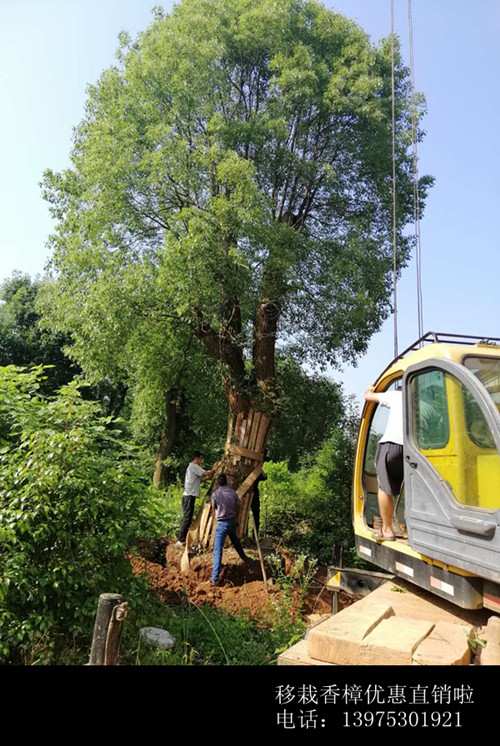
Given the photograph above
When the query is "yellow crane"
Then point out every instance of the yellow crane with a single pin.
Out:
(448, 514)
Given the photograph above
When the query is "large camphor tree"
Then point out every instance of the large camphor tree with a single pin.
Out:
(230, 195)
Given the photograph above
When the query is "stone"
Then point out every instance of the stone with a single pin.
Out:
(490, 654)
(298, 655)
(447, 645)
(158, 638)
(393, 641)
(492, 630)
(313, 619)
(338, 640)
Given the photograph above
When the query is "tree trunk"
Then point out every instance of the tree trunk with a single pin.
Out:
(167, 439)
(243, 456)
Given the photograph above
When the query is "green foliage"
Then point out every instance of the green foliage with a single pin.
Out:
(23, 341)
(294, 585)
(310, 406)
(72, 501)
(310, 510)
(205, 636)
(234, 163)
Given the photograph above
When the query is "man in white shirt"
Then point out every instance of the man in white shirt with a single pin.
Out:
(389, 458)
(195, 474)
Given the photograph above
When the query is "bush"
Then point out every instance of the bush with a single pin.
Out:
(310, 510)
(72, 501)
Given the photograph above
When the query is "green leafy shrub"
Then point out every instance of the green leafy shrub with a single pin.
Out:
(72, 502)
(309, 510)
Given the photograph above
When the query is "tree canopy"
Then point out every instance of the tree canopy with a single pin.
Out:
(23, 341)
(230, 192)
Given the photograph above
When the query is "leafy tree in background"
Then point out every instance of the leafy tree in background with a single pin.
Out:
(22, 340)
(310, 406)
(230, 190)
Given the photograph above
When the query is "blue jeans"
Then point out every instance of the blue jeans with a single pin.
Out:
(223, 529)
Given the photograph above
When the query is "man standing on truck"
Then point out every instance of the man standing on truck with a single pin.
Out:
(389, 458)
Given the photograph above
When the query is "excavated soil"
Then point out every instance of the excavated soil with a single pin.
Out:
(241, 590)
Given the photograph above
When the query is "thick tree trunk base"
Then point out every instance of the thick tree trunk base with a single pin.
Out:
(242, 462)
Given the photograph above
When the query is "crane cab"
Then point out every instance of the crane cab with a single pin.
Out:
(447, 516)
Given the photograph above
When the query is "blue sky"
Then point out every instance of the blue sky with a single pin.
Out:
(51, 49)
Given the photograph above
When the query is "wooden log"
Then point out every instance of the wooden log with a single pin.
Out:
(111, 610)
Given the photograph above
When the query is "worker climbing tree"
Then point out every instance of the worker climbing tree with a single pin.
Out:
(230, 192)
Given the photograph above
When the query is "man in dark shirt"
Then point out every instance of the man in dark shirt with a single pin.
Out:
(226, 504)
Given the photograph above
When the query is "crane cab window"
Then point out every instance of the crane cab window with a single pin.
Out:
(450, 430)
(487, 369)
(430, 410)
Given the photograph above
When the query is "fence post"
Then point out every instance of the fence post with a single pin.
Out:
(111, 611)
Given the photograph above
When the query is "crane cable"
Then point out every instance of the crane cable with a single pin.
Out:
(394, 219)
(416, 194)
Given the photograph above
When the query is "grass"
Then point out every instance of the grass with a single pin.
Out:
(207, 636)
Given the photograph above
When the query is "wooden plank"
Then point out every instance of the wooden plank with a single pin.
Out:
(245, 452)
(230, 430)
(254, 431)
(248, 482)
(240, 427)
(248, 430)
(243, 513)
(185, 555)
(261, 558)
(208, 526)
(263, 429)
(211, 530)
(203, 521)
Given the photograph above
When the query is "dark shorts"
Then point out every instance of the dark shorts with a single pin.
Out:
(389, 465)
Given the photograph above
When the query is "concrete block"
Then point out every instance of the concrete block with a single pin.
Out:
(447, 645)
(393, 641)
(339, 639)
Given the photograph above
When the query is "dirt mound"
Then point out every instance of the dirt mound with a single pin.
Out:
(241, 588)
